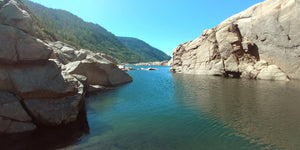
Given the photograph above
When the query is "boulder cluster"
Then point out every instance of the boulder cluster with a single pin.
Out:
(44, 83)
(261, 42)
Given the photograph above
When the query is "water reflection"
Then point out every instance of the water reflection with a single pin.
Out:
(261, 111)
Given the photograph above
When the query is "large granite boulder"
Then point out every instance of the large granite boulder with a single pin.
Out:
(58, 111)
(43, 84)
(11, 14)
(95, 66)
(105, 73)
(36, 95)
(13, 118)
(18, 46)
(43, 80)
(266, 31)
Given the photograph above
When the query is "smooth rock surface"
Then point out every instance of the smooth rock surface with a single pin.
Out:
(105, 73)
(11, 14)
(17, 46)
(58, 111)
(10, 126)
(13, 118)
(43, 80)
(5, 81)
(11, 108)
(266, 31)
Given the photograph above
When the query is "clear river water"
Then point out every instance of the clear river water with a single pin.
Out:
(161, 110)
(164, 111)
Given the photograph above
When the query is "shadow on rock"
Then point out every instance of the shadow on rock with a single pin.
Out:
(47, 138)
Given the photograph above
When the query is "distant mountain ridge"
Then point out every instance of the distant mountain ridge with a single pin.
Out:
(147, 52)
(60, 25)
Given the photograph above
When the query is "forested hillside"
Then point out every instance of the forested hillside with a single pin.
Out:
(53, 25)
(146, 51)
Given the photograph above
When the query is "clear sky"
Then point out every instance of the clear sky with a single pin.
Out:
(164, 24)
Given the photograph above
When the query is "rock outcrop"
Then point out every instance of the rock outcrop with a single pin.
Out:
(44, 83)
(156, 63)
(261, 42)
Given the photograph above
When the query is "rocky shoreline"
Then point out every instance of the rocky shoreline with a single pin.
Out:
(261, 42)
(43, 84)
(157, 63)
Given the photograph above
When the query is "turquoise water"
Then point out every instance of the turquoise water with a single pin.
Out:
(161, 110)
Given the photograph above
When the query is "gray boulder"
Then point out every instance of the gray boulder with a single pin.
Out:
(43, 80)
(58, 111)
(13, 118)
(18, 46)
(103, 74)
(44, 83)
(11, 14)
(94, 66)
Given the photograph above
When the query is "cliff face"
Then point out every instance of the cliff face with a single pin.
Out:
(261, 42)
(44, 83)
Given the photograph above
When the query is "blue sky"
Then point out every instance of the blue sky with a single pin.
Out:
(164, 24)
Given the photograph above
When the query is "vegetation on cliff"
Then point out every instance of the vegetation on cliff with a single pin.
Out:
(59, 25)
(147, 52)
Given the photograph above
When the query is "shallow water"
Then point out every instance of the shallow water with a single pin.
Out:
(161, 110)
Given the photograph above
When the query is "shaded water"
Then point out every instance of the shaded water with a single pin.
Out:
(160, 110)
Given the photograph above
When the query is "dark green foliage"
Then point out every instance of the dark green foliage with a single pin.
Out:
(53, 25)
(59, 25)
(148, 53)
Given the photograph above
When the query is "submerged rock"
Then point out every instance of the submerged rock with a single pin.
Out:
(125, 68)
(149, 69)
(264, 32)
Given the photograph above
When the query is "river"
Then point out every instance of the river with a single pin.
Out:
(164, 111)
(161, 110)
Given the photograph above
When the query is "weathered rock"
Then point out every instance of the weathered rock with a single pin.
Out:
(11, 14)
(11, 126)
(266, 31)
(156, 63)
(98, 70)
(38, 91)
(170, 62)
(272, 72)
(13, 118)
(104, 73)
(32, 49)
(59, 111)
(43, 80)
(11, 108)
(95, 88)
(65, 53)
(110, 58)
(8, 39)
(17, 46)
(5, 81)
